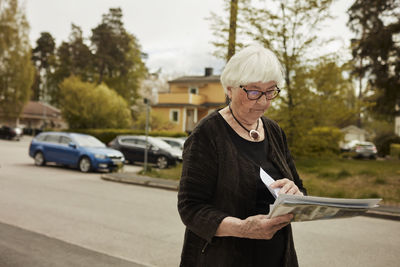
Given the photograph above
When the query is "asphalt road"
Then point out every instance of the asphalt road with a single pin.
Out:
(53, 216)
(21, 248)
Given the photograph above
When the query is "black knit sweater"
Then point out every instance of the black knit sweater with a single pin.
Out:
(218, 181)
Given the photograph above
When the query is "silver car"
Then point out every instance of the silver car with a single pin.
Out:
(360, 149)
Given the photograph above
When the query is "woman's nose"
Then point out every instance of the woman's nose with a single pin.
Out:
(263, 100)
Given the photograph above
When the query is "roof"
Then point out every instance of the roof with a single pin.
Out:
(35, 109)
(353, 128)
(196, 79)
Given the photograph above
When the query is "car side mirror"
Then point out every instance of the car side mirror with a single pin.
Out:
(154, 148)
(73, 145)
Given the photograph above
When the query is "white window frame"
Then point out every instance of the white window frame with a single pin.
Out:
(171, 115)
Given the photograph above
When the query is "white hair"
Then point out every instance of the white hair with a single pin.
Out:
(252, 64)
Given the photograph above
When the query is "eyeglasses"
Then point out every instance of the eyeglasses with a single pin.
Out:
(255, 94)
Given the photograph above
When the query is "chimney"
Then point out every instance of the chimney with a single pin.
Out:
(208, 72)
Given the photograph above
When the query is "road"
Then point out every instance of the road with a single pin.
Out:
(53, 216)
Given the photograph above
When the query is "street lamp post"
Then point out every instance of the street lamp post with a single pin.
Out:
(147, 102)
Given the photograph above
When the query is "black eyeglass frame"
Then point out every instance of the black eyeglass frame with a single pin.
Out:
(277, 90)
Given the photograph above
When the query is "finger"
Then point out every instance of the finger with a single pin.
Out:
(292, 191)
(286, 188)
(279, 183)
(281, 219)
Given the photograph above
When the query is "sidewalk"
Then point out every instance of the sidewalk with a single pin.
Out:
(134, 178)
(383, 212)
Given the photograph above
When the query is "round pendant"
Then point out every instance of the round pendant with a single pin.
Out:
(254, 134)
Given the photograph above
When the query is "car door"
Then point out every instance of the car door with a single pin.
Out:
(140, 151)
(50, 147)
(127, 145)
(68, 155)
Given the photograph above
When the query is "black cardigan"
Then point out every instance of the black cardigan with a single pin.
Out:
(217, 181)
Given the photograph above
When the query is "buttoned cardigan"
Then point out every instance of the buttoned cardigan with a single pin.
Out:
(218, 181)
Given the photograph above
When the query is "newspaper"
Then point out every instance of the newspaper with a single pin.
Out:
(308, 208)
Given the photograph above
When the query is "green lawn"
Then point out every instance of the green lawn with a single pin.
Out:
(344, 178)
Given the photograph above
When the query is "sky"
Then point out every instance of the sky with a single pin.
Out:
(174, 33)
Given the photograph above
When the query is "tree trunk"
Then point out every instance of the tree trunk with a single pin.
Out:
(232, 29)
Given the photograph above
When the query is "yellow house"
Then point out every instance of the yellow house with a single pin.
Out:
(190, 98)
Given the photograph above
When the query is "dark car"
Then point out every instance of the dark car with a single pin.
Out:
(10, 133)
(176, 142)
(133, 147)
(83, 151)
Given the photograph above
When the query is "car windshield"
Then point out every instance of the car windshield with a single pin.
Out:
(88, 141)
(160, 143)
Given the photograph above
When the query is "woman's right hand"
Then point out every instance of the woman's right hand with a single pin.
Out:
(259, 227)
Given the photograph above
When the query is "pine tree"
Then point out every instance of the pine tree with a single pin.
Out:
(377, 50)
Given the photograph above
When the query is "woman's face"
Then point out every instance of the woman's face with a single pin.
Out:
(250, 110)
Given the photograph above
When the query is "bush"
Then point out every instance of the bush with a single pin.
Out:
(87, 105)
(156, 122)
(320, 141)
(395, 150)
(383, 142)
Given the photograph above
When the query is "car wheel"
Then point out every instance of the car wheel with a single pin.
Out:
(84, 164)
(39, 159)
(162, 162)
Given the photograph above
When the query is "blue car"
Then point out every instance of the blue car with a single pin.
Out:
(83, 151)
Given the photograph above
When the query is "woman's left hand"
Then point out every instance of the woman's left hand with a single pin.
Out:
(287, 187)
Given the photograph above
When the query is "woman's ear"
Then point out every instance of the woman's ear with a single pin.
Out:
(229, 92)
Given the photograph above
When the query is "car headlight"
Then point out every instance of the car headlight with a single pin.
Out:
(100, 156)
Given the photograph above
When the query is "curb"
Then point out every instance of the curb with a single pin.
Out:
(384, 212)
(381, 212)
(134, 178)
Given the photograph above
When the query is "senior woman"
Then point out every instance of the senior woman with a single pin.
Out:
(222, 200)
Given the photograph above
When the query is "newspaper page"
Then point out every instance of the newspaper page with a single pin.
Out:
(308, 208)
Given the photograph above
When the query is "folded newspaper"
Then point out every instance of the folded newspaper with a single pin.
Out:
(308, 208)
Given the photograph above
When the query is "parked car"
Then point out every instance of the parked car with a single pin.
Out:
(10, 133)
(360, 149)
(174, 142)
(159, 152)
(83, 151)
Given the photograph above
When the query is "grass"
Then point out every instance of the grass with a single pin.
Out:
(335, 177)
(350, 178)
(173, 173)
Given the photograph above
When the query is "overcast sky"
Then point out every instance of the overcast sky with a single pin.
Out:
(174, 33)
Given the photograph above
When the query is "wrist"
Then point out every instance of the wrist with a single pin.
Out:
(231, 226)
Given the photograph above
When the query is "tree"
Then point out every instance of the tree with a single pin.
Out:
(72, 58)
(16, 69)
(156, 123)
(377, 49)
(232, 29)
(333, 101)
(43, 58)
(117, 56)
(289, 28)
(90, 106)
(226, 28)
